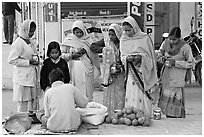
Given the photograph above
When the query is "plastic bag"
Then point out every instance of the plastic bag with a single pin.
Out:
(94, 113)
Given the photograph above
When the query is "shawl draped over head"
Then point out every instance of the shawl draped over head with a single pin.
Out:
(25, 28)
(117, 29)
(73, 40)
(83, 42)
(140, 43)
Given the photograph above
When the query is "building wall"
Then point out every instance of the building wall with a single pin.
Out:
(187, 11)
(167, 14)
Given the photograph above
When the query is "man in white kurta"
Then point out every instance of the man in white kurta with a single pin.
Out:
(59, 104)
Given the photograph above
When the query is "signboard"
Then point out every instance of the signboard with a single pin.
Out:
(135, 9)
(150, 19)
(51, 12)
(199, 18)
(94, 12)
(84, 9)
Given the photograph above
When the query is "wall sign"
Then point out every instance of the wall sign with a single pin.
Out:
(150, 19)
(85, 9)
(199, 18)
(51, 12)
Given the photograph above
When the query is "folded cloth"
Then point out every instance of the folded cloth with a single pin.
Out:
(18, 123)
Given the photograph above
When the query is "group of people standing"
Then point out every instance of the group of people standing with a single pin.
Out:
(131, 76)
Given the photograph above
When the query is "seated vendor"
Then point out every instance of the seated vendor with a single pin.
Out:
(60, 102)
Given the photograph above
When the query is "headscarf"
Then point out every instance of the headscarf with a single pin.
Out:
(83, 42)
(138, 33)
(84, 39)
(117, 29)
(140, 43)
(79, 24)
(25, 28)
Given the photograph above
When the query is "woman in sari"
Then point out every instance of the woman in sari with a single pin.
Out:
(114, 90)
(138, 56)
(76, 50)
(177, 58)
(26, 69)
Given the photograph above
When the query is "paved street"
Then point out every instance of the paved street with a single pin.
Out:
(6, 68)
(191, 125)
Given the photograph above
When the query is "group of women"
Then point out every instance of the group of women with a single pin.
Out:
(130, 77)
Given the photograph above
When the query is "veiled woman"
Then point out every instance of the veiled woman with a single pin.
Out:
(76, 50)
(138, 56)
(26, 70)
(114, 92)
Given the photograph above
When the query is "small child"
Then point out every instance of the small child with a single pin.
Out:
(52, 62)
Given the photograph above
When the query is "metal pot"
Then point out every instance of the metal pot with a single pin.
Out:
(157, 114)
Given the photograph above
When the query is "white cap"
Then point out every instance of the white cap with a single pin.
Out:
(165, 35)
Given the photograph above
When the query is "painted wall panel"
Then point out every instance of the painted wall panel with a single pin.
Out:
(187, 11)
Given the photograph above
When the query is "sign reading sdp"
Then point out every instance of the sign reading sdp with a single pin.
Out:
(150, 18)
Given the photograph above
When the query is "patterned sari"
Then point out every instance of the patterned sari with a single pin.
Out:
(114, 93)
(172, 102)
(136, 96)
(141, 75)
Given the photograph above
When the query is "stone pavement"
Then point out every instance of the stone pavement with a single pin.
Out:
(191, 125)
(7, 70)
(188, 126)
